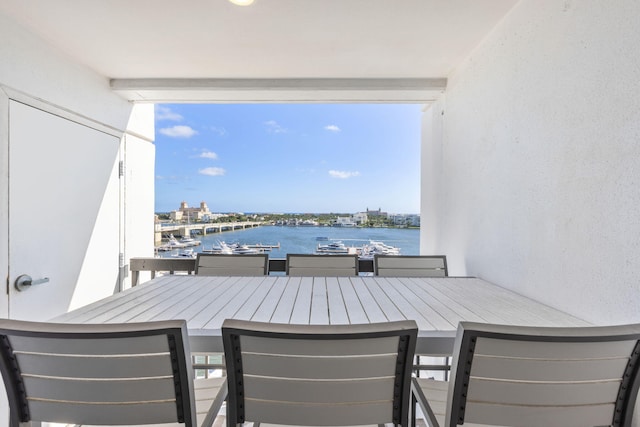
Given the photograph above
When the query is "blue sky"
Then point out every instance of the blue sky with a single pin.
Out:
(306, 158)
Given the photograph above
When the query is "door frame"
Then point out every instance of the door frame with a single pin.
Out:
(7, 95)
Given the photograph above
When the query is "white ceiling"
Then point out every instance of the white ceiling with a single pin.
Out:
(168, 49)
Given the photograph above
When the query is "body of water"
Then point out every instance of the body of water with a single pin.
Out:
(303, 240)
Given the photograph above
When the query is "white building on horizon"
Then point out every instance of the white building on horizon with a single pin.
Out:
(344, 221)
(185, 213)
(360, 218)
(412, 220)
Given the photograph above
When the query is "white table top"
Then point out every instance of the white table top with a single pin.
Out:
(436, 304)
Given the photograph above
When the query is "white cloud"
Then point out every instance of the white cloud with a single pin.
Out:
(332, 128)
(165, 113)
(343, 174)
(219, 131)
(275, 127)
(179, 131)
(212, 171)
(208, 155)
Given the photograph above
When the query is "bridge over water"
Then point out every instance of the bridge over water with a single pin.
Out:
(163, 230)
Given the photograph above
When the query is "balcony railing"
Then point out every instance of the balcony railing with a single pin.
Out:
(188, 266)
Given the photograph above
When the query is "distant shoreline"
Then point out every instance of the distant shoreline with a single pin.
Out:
(304, 239)
(413, 227)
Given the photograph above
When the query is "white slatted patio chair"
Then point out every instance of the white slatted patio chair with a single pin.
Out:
(318, 375)
(104, 374)
(322, 265)
(232, 265)
(528, 376)
(410, 265)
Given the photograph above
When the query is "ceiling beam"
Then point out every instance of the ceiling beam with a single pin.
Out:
(414, 90)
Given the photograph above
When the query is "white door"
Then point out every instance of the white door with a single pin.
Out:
(63, 213)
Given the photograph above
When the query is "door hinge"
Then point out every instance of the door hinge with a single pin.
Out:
(121, 169)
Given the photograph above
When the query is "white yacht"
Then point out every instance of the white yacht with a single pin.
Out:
(189, 241)
(221, 248)
(376, 247)
(171, 244)
(186, 253)
(244, 249)
(333, 248)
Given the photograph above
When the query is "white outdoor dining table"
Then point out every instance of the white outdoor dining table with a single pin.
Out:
(436, 304)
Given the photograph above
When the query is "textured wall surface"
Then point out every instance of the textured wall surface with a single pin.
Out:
(534, 157)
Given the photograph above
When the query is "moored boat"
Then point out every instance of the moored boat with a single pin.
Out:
(376, 247)
(171, 244)
(189, 241)
(186, 253)
(220, 248)
(333, 248)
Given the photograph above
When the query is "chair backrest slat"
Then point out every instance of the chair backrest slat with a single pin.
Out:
(319, 375)
(93, 366)
(316, 347)
(76, 413)
(410, 265)
(322, 265)
(532, 369)
(232, 265)
(557, 349)
(525, 376)
(369, 390)
(118, 374)
(529, 416)
(101, 346)
(320, 367)
(542, 393)
(367, 413)
(155, 388)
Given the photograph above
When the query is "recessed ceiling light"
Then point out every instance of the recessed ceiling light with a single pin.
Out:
(242, 2)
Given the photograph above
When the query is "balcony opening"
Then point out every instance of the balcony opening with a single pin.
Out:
(314, 174)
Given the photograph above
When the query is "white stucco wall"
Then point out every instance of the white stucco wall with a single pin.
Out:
(536, 168)
(30, 65)
(431, 173)
(139, 197)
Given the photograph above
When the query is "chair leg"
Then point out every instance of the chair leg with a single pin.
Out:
(412, 410)
(446, 372)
